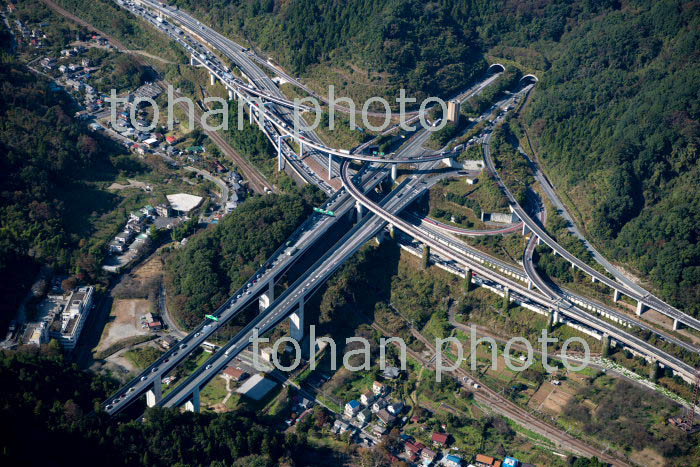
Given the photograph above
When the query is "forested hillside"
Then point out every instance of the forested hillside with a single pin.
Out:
(50, 404)
(614, 117)
(218, 261)
(45, 155)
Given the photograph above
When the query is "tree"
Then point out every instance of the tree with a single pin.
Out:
(426, 256)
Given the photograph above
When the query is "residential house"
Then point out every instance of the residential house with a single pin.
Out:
(378, 388)
(340, 427)
(395, 408)
(364, 416)
(117, 247)
(483, 460)
(413, 448)
(167, 342)
(441, 439)
(234, 374)
(163, 210)
(391, 372)
(351, 408)
(367, 398)
(124, 237)
(428, 455)
(385, 417)
(378, 405)
(452, 461)
(511, 462)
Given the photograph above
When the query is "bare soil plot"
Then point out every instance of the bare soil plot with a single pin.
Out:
(125, 321)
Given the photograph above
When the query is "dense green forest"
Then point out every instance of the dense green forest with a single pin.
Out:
(216, 262)
(616, 120)
(51, 403)
(45, 159)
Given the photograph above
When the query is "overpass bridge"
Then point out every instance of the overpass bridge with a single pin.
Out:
(681, 368)
(261, 286)
(644, 300)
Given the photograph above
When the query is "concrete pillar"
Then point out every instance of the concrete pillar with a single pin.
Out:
(525, 229)
(573, 266)
(640, 308)
(230, 95)
(155, 394)
(380, 237)
(296, 323)
(212, 79)
(358, 207)
(392, 232)
(194, 405)
(394, 172)
(301, 148)
(268, 297)
(593, 279)
(529, 284)
(616, 295)
(192, 61)
(250, 112)
(676, 325)
(330, 166)
(280, 159)
(555, 316)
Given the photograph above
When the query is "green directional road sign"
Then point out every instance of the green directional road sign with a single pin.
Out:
(211, 317)
(325, 212)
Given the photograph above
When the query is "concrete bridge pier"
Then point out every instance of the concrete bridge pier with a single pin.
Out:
(555, 316)
(155, 394)
(358, 207)
(394, 172)
(676, 325)
(616, 295)
(525, 227)
(194, 405)
(330, 166)
(301, 148)
(640, 308)
(392, 231)
(296, 323)
(268, 297)
(593, 279)
(231, 96)
(280, 159)
(212, 79)
(380, 237)
(529, 284)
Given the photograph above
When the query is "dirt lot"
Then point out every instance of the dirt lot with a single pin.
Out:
(552, 399)
(125, 321)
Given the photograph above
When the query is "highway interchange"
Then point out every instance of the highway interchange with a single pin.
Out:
(275, 123)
